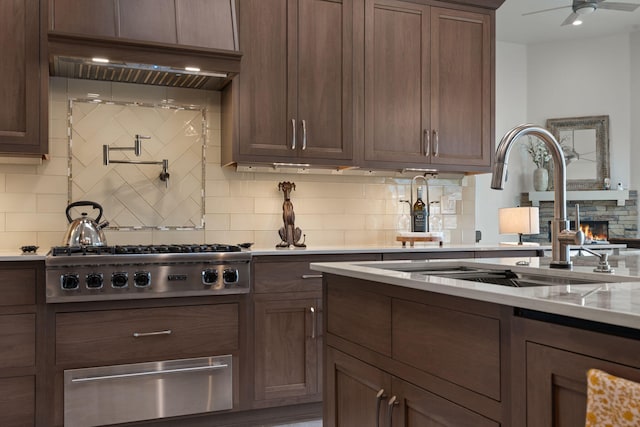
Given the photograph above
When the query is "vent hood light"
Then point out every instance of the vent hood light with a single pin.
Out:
(134, 72)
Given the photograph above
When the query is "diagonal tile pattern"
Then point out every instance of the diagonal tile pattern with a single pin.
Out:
(134, 194)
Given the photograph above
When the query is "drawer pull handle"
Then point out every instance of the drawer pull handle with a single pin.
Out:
(144, 374)
(151, 334)
(312, 276)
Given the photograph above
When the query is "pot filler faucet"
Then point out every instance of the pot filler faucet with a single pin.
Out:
(561, 236)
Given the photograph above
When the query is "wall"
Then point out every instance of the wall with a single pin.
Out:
(511, 110)
(585, 77)
(239, 207)
(635, 111)
(565, 79)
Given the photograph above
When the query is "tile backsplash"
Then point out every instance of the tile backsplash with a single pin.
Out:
(135, 193)
(331, 209)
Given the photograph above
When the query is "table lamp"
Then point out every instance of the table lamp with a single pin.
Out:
(523, 220)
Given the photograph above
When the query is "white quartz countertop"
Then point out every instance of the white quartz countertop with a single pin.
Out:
(17, 255)
(420, 247)
(615, 301)
(397, 248)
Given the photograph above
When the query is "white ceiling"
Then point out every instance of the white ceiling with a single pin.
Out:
(511, 26)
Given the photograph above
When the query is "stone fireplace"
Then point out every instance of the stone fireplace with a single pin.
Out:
(594, 231)
(604, 218)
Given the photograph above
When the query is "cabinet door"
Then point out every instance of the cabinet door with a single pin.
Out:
(355, 393)
(95, 17)
(265, 118)
(149, 20)
(557, 385)
(296, 80)
(286, 348)
(396, 81)
(20, 86)
(461, 87)
(321, 56)
(17, 401)
(207, 23)
(418, 408)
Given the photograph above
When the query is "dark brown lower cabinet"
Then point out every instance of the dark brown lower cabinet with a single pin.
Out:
(403, 357)
(22, 325)
(363, 395)
(17, 401)
(550, 370)
(354, 391)
(416, 407)
(287, 347)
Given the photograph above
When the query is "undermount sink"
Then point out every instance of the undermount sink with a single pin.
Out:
(503, 277)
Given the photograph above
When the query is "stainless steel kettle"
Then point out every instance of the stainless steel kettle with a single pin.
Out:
(85, 231)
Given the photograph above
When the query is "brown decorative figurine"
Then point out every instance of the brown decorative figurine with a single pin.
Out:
(290, 234)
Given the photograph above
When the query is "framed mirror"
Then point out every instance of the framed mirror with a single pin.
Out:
(585, 143)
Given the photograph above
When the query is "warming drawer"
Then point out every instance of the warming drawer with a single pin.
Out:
(146, 391)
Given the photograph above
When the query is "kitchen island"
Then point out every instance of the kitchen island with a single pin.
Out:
(461, 353)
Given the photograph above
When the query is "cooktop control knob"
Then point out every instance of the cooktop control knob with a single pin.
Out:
(209, 276)
(94, 280)
(120, 280)
(142, 279)
(69, 282)
(230, 275)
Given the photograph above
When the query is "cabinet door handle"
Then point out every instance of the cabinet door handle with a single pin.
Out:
(293, 134)
(379, 398)
(313, 322)
(151, 334)
(304, 134)
(436, 143)
(312, 276)
(426, 141)
(393, 402)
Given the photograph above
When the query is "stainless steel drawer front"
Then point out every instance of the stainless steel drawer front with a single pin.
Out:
(143, 391)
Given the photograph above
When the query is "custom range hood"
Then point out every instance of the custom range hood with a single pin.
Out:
(131, 61)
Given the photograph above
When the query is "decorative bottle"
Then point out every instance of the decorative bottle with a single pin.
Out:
(419, 214)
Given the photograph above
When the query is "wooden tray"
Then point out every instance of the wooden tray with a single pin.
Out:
(413, 239)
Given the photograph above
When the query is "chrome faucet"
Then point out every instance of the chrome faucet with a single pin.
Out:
(561, 235)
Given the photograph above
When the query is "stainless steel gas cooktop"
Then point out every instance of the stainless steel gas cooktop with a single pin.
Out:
(92, 273)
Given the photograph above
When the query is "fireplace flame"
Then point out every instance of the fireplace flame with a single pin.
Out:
(591, 234)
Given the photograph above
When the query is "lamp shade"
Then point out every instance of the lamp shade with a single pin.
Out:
(519, 220)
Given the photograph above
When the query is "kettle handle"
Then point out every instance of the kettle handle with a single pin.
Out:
(94, 205)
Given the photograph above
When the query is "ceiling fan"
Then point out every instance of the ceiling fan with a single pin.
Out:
(585, 7)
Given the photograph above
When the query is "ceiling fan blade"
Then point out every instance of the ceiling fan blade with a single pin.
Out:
(570, 19)
(625, 7)
(545, 10)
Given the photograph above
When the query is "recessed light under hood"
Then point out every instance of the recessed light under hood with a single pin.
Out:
(135, 72)
(141, 62)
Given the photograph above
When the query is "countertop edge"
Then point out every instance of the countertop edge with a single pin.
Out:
(514, 297)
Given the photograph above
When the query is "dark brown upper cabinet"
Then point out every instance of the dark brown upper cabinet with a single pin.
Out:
(199, 23)
(428, 87)
(294, 94)
(24, 84)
